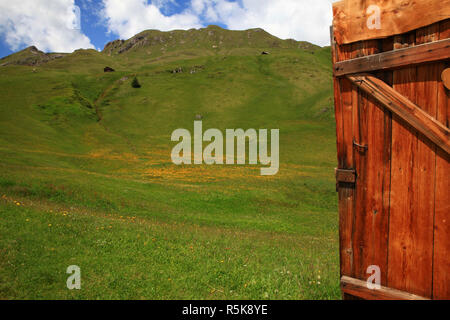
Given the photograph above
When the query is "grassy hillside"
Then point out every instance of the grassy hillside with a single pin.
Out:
(31, 56)
(86, 177)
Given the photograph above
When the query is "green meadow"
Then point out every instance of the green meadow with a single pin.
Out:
(86, 176)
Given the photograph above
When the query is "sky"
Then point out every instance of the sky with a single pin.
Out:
(67, 25)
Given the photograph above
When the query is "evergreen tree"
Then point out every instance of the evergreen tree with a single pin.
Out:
(135, 83)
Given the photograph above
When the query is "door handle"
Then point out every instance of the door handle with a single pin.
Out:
(360, 147)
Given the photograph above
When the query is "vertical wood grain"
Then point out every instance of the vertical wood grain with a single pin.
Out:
(425, 167)
(398, 216)
(345, 156)
(404, 146)
(441, 255)
(371, 219)
(413, 180)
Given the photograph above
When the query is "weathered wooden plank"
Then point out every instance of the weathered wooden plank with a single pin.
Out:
(358, 288)
(347, 101)
(371, 220)
(441, 256)
(444, 33)
(345, 194)
(411, 235)
(425, 166)
(441, 264)
(356, 20)
(387, 44)
(350, 126)
(387, 76)
(404, 148)
(444, 29)
(430, 52)
(405, 109)
(373, 167)
(426, 98)
(360, 119)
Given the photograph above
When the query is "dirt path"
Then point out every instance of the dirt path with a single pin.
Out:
(98, 112)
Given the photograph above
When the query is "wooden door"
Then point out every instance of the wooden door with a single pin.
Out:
(393, 175)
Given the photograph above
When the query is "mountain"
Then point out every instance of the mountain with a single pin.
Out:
(223, 74)
(86, 175)
(212, 39)
(30, 56)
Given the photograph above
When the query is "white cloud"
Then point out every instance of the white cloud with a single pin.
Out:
(127, 18)
(42, 23)
(298, 19)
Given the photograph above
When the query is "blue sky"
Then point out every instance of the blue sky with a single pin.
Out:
(91, 24)
(44, 23)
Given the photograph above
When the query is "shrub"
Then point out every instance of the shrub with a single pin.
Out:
(135, 83)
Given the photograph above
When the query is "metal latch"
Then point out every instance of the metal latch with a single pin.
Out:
(360, 147)
(345, 178)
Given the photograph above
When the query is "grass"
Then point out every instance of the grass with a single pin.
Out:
(86, 177)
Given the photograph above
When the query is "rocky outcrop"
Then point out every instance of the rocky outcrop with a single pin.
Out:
(112, 46)
(177, 70)
(138, 41)
(30, 56)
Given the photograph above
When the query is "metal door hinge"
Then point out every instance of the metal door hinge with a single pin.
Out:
(345, 178)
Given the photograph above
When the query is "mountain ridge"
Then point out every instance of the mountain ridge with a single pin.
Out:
(30, 56)
(212, 36)
(156, 43)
